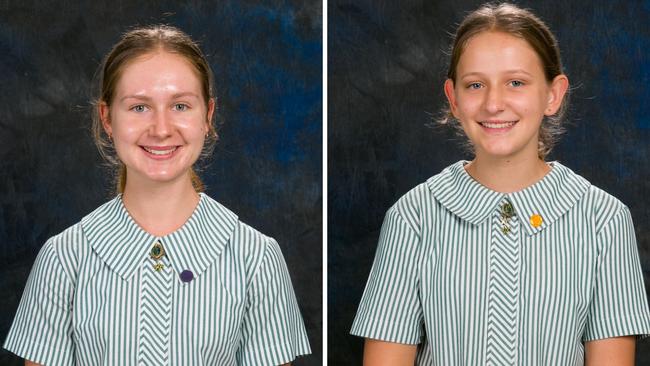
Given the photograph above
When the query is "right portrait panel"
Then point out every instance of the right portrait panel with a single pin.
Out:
(488, 183)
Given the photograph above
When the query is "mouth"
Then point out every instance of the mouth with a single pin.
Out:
(497, 125)
(160, 151)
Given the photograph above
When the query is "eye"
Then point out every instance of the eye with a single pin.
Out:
(181, 107)
(517, 83)
(474, 86)
(139, 108)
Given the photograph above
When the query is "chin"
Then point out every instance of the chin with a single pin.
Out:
(163, 177)
(499, 152)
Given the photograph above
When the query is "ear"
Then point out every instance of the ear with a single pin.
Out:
(211, 108)
(104, 116)
(558, 89)
(451, 97)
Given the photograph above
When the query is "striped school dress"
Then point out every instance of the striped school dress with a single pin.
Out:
(105, 292)
(477, 277)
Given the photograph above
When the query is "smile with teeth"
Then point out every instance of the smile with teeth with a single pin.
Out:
(160, 152)
(497, 125)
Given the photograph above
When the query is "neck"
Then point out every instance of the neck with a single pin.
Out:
(160, 208)
(507, 175)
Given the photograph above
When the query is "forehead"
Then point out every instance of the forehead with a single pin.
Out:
(492, 50)
(158, 72)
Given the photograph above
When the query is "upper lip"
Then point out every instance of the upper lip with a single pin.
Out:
(160, 147)
(498, 121)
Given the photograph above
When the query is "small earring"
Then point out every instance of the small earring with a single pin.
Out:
(110, 137)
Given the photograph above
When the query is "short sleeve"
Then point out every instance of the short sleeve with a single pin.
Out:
(42, 329)
(619, 306)
(390, 308)
(273, 332)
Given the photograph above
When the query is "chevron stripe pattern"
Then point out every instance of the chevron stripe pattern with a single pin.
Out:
(503, 292)
(155, 314)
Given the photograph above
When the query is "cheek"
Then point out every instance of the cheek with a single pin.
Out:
(194, 122)
(125, 132)
(192, 131)
(532, 106)
(468, 105)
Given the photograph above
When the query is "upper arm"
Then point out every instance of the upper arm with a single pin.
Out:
(618, 306)
(380, 353)
(272, 329)
(610, 352)
(42, 328)
(390, 308)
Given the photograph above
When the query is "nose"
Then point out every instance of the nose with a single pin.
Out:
(161, 125)
(494, 101)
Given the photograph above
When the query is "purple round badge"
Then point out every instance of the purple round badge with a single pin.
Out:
(187, 276)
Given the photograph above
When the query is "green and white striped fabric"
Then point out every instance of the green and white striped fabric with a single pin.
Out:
(448, 275)
(97, 297)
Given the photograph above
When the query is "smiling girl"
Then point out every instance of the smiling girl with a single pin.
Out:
(506, 259)
(161, 274)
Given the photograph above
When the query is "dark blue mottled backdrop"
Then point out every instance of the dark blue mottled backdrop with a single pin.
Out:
(267, 60)
(386, 68)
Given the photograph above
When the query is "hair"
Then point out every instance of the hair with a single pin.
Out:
(134, 44)
(521, 23)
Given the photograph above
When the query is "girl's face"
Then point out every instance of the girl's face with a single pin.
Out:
(158, 118)
(501, 95)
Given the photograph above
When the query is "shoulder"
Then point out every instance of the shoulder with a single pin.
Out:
(603, 207)
(596, 204)
(251, 239)
(245, 241)
(257, 251)
(414, 199)
(67, 247)
(67, 239)
(242, 234)
(217, 212)
(420, 199)
(409, 207)
(72, 244)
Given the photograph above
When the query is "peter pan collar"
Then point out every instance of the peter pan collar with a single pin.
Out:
(550, 198)
(123, 245)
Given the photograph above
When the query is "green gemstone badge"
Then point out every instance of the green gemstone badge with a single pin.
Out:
(507, 210)
(157, 251)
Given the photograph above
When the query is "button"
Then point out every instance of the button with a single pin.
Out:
(158, 267)
(536, 220)
(157, 251)
(187, 276)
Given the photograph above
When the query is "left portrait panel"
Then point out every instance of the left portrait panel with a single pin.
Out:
(161, 182)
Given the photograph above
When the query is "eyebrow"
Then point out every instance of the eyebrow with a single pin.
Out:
(147, 98)
(514, 71)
